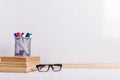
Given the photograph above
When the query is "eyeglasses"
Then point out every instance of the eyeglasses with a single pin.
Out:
(46, 67)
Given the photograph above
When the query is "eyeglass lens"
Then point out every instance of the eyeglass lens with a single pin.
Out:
(56, 67)
(44, 68)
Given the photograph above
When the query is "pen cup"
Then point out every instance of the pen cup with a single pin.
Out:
(23, 46)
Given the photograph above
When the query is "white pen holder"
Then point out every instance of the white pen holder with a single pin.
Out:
(23, 46)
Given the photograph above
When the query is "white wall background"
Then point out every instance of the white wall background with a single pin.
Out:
(64, 31)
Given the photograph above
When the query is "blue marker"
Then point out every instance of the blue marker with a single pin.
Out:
(15, 34)
(21, 52)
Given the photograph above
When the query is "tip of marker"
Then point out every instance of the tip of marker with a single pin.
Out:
(18, 33)
(15, 35)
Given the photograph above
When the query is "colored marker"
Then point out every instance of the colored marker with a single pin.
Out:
(27, 35)
(18, 33)
(22, 34)
(15, 35)
(16, 47)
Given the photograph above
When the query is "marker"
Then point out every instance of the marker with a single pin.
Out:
(26, 41)
(23, 39)
(16, 47)
(22, 34)
(21, 52)
(23, 46)
(15, 34)
(27, 35)
(18, 33)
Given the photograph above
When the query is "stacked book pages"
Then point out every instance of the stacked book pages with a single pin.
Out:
(18, 64)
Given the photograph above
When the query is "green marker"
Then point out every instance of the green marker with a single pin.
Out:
(29, 35)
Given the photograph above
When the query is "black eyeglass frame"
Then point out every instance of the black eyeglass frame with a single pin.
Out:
(40, 66)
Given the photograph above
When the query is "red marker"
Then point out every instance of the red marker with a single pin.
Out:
(18, 34)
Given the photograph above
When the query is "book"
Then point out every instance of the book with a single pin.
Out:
(19, 59)
(18, 69)
(19, 64)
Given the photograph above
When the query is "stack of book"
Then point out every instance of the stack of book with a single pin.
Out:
(18, 64)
